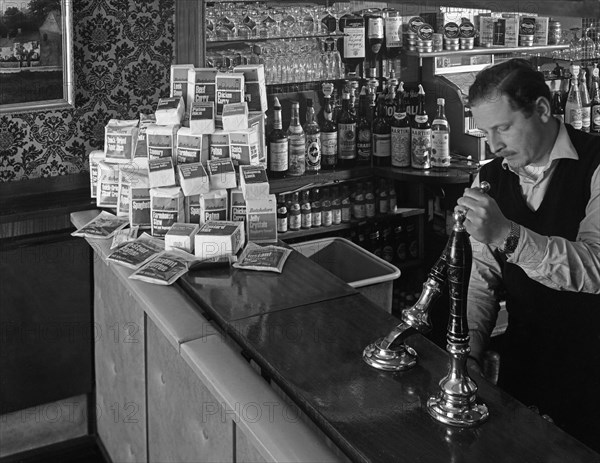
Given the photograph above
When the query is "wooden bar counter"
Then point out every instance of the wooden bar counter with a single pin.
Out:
(316, 400)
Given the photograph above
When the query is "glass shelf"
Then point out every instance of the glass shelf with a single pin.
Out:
(494, 50)
(266, 39)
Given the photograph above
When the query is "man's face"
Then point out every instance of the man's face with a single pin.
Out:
(510, 133)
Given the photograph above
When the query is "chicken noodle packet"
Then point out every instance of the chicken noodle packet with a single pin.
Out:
(136, 253)
(104, 225)
(165, 268)
(263, 258)
(124, 235)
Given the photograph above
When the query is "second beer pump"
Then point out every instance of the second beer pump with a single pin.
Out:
(455, 404)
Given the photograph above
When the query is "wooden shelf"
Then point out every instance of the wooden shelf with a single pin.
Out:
(323, 178)
(451, 176)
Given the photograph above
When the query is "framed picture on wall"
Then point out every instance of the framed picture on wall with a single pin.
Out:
(36, 55)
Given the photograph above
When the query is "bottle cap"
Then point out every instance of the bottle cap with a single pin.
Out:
(441, 101)
(276, 104)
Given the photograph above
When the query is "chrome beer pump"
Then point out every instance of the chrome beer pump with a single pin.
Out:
(455, 404)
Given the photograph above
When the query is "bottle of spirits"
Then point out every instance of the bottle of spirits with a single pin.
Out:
(352, 45)
(313, 140)
(282, 214)
(375, 29)
(278, 145)
(393, 40)
(382, 136)
(305, 210)
(557, 109)
(363, 128)
(400, 129)
(370, 201)
(297, 144)
(595, 93)
(420, 135)
(383, 202)
(358, 207)
(440, 138)
(390, 101)
(586, 104)
(294, 213)
(316, 207)
(346, 124)
(329, 138)
(573, 113)
(346, 205)
(327, 208)
(336, 206)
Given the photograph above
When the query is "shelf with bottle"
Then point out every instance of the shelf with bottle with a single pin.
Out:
(492, 50)
(243, 40)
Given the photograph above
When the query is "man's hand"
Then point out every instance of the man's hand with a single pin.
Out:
(485, 222)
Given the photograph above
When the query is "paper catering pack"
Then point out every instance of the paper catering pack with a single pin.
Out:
(104, 225)
(161, 140)
(137, 252)
(107, 185)
(165, 268)
(166, 208)
(189, 147)
(169, 111)
(219, 238)
(120, 138)
(141, 150)
(263, 258)
(94, 158)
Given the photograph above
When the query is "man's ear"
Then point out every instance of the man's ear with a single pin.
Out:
(543, 108)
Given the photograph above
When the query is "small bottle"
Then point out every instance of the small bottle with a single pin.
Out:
(392, 198)
(346, 205)
(370, 202)
(282, 214)
(557, 108)
(586, 104)
(278, 145)
(316, 207)
(336, 206)
(305, 210)
(595, 94)
(420, 136)
(400, 129)
(375, 241)
(358, 207)
(573, 114)
(329, 138)
(440, 138)
(294, 213)
(346, 124)
(363, 128)
(313, 140)
(297, 144)
(383, 202)
(382, 136)
(327, 211)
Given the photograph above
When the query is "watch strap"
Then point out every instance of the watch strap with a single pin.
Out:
(512, 240)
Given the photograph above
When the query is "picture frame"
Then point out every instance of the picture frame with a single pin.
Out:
(36, 59)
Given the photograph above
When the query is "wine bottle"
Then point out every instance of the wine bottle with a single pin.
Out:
(329, 138)
(573, 113)
(346, 134)
(400, 128)
(586, 104)
(382, 135)
(440, 138)
(557, 109)
(363, 128)
(595, 113)
(297, 144)
(278, 145)
(313, 140)
(420, 135)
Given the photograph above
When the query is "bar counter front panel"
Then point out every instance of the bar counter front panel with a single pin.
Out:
(311, 348)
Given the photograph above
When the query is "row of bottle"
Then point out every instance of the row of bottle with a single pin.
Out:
(327, 206)
(379, 133)
(582, 106)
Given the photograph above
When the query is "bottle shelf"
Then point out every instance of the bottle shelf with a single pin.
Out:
(323, 178)
(453, 175)
(493, 50)
(241, 40)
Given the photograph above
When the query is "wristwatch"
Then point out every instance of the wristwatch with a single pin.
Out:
(512, 240)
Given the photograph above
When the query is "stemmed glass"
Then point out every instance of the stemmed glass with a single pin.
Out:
(575, 45)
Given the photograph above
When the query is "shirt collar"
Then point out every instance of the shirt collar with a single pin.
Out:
(562, 149)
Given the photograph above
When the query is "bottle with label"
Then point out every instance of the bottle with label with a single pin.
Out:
(383, 202)
(294, 213)
(573, 113)
(297, 144)
(352, 45)
(316, 207)
(400, 131)
(278, 145)
(336, 206)
(358, 206)
(305, 210)
(390, 98)
(370, 201)
(420, 135)
(346, 205)
(595, 94)
(375, 32)
(282, 214)
(329, 138)
(363, 127)
(346, 124)
(586, 103)
(313, 140)
(557, 108)
(440, 138)
(327, 208)
(382, 136)
(393, 40)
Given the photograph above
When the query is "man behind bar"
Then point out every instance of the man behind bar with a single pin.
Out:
(536, 240)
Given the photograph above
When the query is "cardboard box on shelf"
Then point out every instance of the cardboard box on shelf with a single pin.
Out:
(219, 238)
(261, 220)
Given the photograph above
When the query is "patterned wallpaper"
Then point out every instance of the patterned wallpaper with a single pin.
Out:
(123, 50)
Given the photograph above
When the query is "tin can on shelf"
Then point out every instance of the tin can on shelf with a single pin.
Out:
(554, 32)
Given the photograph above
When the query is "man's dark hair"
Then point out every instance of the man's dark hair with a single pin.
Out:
(515, 78)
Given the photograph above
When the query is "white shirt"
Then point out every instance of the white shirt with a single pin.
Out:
(552, 261)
